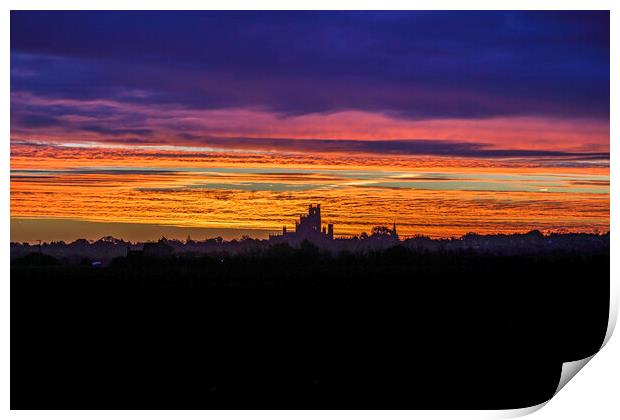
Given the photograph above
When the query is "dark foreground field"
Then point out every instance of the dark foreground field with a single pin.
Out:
(299, 329)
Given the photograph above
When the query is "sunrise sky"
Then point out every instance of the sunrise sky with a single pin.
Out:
(143, 124)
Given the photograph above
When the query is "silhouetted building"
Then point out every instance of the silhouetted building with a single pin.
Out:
(309, 227)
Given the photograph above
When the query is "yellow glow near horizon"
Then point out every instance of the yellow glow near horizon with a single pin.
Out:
(439, 197)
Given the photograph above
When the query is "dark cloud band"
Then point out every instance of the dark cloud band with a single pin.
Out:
(416, 65)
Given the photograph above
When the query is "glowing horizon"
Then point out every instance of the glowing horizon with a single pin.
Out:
(438, 197)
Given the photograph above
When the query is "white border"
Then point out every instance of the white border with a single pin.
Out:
(593, 394)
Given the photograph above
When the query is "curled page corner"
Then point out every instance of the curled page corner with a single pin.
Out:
(569, 370)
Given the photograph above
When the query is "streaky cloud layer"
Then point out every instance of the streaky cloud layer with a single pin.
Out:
(106, 121)
(427, 195)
